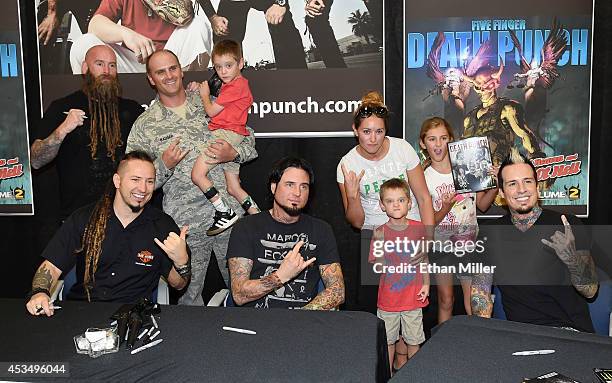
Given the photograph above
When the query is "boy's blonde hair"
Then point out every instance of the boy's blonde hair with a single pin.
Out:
(394, 184)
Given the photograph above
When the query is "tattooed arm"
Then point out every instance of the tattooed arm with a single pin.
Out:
(46, 276)
(583, 274)
(333, 294)
(44, 151)
(481, 302)
(246, 290)
(579, 262)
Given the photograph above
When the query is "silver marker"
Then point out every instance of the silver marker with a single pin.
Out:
(240, 330)
(154, 343)
(142, 333)
(534, 352)
(69, 113)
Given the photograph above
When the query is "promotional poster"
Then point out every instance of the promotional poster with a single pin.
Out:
(307, 63)
(15, 177)
(517, 73)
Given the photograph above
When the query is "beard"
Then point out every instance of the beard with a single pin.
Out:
(103, 94)
(104, 88)
(135, 208)
(292, 211)
(525, 210)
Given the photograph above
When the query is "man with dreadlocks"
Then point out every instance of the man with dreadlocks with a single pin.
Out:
(114, 244)
(86, 132)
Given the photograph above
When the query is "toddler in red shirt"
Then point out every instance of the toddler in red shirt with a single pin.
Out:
(228, 117)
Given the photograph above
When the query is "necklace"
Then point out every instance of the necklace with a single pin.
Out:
(279, 218)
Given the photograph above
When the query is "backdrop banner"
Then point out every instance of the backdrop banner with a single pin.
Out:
(308, 63)
(15, 177)
(517, 72)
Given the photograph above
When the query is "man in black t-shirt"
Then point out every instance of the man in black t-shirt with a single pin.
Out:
(277, 257)
(86, 132)
(115, 244)
(543, 266)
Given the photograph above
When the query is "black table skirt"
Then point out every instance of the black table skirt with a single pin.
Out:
(290, 345)
(472, 349)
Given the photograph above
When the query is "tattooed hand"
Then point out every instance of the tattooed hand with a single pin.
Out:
(579, 262)
(293, 264)
(564, 244)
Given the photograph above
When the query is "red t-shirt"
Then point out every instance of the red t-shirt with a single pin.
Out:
(133, 15)
(236, 99)
(397, 291)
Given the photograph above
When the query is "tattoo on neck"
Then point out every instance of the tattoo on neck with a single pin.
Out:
(525, 222)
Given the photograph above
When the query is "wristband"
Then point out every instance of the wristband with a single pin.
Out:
(184, 271)
(237, 159)
(36, 291)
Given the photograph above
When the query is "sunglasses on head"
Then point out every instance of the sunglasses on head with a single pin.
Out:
(367, 111)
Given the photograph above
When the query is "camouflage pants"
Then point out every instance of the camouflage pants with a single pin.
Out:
(202, 247)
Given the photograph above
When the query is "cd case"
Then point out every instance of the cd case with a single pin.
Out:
(470, 160)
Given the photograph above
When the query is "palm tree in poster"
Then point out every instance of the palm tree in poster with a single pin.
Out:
(361, 24)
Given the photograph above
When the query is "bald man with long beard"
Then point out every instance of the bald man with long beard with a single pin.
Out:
(85, 132)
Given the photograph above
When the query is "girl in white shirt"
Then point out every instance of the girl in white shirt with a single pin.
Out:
(454, 214)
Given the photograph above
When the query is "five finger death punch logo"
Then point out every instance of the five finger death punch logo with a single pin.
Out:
(145, 256)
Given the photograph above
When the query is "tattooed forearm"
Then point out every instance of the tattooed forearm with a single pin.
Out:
(583, 274)
(481, 303)
(333, 295)
(271, 281)
(246, 290)
(480, 300)
(44, 151)
(42, 279)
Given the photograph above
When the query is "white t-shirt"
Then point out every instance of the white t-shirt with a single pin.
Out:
(400, 158)
(460, 223)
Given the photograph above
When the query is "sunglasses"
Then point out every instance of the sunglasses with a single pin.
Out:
(367, 111)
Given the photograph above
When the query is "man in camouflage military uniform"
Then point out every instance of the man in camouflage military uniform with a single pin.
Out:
(171, 130)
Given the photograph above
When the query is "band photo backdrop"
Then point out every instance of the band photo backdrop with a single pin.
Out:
(306, 73)
(516, 72)
(15, 177)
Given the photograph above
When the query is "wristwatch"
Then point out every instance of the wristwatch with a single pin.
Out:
(282, 3)
(237, 159)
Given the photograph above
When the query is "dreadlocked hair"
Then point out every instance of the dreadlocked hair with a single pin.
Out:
(91, 243)
(104, 127)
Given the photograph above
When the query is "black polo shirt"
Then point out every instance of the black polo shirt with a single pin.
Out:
(130, 263)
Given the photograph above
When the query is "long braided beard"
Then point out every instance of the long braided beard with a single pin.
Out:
(103, 95)
(91, 243)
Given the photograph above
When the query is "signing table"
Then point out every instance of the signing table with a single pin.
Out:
(472, 349)
(290, 345)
